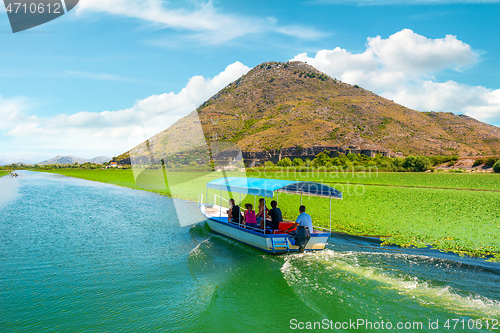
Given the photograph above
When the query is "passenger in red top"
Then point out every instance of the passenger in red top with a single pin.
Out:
(250, 218)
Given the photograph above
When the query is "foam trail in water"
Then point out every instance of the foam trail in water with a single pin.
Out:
(330, 273)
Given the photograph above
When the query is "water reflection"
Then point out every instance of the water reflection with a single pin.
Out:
(9, 189)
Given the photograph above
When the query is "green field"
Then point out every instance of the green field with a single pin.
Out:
(121, 177)
(406, 209)
(476, 181)
(3, 173)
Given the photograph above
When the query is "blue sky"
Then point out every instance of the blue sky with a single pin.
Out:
(80, 84)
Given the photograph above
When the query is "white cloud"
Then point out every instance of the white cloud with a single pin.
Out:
(104, 133)
(478, 102)
(11, 112)
(99, 76)
(401, 67)
(411, 52)
(388, 62)
(208, 24)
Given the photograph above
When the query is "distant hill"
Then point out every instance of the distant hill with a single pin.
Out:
(286, 106)
(20, 163)
(73, 159)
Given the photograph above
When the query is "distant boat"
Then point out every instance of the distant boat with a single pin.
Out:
(272, 240)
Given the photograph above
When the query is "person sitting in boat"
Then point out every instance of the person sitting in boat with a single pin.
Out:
(275, 215)
(250, 218)
(303, 219)
(234, 214)
(262, 212)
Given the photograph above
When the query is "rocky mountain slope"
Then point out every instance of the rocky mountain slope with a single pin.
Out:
(279, 106)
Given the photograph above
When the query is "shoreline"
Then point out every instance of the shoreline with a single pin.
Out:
(391, 238)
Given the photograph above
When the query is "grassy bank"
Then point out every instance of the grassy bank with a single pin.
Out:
(476, 181)
(120, 177)
(4, 173)
(406, 209)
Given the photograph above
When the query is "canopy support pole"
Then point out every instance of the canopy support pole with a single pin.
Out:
(277, 197)
(220, 204)
(206, 198)
(254, 201)
(330, 215)
(301, 198)
(264, 216)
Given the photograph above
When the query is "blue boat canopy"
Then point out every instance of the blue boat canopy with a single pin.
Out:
(267, 187)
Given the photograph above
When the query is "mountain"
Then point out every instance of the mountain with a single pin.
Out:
(292, 106)
(72, 159)
(99, 160)
(20, 163)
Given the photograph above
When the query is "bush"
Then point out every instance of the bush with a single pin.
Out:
(417, 163)
(286, 162)
(478, 161)
(336, 161)
(352, 156)
(490, 161)
(298, 162)
(449, 159)
(268, 164)
(321, 159)
(496, 167)
(387, 166)
(398, 162)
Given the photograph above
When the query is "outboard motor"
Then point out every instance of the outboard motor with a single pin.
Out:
(302, 236)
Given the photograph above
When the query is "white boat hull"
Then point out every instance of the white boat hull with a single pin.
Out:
(271, 243)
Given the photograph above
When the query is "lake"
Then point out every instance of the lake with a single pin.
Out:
(81, 256)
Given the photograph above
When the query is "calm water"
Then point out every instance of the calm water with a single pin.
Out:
(79, 256)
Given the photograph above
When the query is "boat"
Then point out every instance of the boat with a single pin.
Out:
(274, 241)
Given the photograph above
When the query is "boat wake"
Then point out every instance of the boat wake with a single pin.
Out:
(388, 285)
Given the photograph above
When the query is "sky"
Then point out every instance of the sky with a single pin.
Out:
(81, 84)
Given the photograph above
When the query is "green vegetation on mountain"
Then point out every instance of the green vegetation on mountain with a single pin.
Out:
(280, 105)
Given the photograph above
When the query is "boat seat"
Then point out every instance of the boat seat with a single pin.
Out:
(285, 225)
